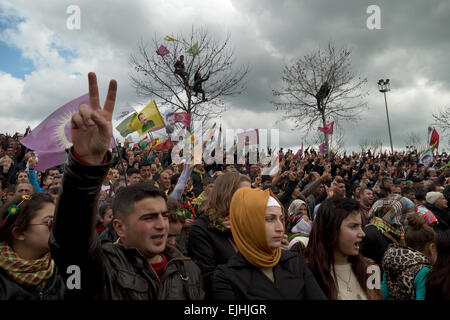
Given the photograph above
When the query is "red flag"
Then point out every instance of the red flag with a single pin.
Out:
(163, 146)
(328, 129)
(434, 139)
(184, 118)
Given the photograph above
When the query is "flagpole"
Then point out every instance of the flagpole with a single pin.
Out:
(121, 162)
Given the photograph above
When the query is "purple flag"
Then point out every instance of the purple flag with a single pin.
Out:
(299, 153)
(323, 148)
(162, 51)
(52, 137)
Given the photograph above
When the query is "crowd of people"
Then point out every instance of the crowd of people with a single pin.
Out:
(139, 226)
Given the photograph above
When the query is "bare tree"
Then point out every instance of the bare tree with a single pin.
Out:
(364, 144)
(442, 118)
(320, 87)
(153, 75)
(374, 145)
(336, 143)
(414, 140)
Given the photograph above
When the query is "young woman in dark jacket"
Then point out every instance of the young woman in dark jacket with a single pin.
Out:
(261, 270)
(27, 272)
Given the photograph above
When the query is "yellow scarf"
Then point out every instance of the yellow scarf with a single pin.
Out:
(248, 226)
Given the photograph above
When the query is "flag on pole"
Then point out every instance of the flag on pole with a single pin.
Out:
(193, 50)
(433, 137)
(163, 145)
(328, 129)
(299, 153)
(323, 148)
(162, 51)
(426, 158)
(148, 119)
(52, 137)
(125, 127)
(144, 142)
(168, 38)
(184, 118)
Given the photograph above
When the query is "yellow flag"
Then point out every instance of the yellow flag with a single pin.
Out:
(149, 119)
(169, 38)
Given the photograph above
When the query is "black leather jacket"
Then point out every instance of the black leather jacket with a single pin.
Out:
(240, 280)
(110, 271)
(12, 290)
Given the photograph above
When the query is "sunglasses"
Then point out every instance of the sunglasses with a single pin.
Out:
(49, 224)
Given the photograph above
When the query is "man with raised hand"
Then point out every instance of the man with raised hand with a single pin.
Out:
(139, 265)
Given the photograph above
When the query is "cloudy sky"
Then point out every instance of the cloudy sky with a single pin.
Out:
(43, 64)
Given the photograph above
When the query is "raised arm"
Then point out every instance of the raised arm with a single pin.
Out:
(73, 240)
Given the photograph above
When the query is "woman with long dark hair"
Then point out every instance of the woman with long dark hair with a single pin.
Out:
(438, 281)
(27, 272)
(333, 252)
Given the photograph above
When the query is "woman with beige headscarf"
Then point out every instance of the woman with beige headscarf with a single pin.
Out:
(261, 269)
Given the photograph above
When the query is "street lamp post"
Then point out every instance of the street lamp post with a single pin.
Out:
(383, 86)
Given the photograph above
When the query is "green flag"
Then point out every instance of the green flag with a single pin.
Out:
(193, 50)
(125, 127)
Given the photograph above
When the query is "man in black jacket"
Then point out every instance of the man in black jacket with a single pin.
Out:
(139, 266)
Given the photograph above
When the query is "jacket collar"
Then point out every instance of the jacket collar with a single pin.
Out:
(238, 260)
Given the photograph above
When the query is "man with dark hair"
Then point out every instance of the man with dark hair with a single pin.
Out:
(179, 70)
(409, 193)
(24, 188)
(57, 181)
(366, 200)
(146, 124)
(144, 170)
(396, 189)
(133, 176)
(386, 185)
(266, 180)
(139, 266)
(119, 183)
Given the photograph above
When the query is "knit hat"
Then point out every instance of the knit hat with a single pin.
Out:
(432, 197)
(248, 226)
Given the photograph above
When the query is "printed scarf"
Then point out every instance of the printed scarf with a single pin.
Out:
(222, 224)
(385, 227)
(33, 273)
(188, 210)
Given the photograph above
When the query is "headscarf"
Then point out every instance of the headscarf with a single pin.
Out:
(295, 205)
(387, 216)
(248, 226)
(294, 214)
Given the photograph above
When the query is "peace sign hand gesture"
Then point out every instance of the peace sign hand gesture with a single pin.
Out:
(91, 126)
